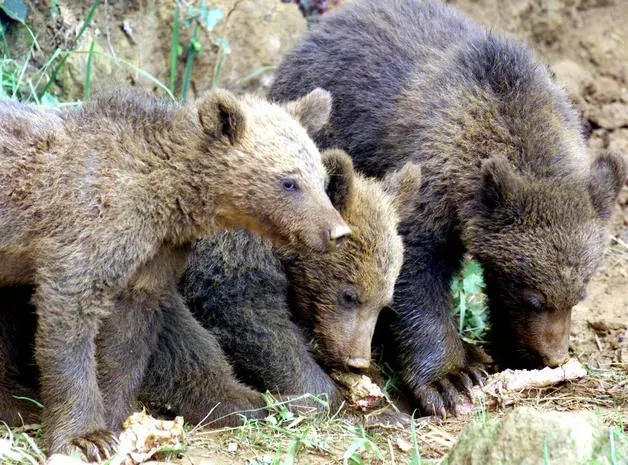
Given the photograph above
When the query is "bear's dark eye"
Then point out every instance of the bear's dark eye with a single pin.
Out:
(534, 299)
(289, 185)
(349, 298)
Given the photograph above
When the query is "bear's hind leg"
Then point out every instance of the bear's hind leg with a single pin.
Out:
(125, 344)
(190, 374)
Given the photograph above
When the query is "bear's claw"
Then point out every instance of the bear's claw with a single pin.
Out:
(96, 446)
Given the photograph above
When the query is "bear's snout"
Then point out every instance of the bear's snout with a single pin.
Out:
(330, 235)
(555, 359)
(337, 233)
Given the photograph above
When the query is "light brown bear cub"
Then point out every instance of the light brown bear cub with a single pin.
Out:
(99, 206)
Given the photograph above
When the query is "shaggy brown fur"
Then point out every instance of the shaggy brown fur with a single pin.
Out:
(98, 209)
(505, 171)
(284, 316)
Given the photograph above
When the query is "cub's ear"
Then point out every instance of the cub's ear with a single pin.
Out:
(499, 182)
(312, 111)
(340, 170)
(403, 185)
(221, 115)
(608, 175)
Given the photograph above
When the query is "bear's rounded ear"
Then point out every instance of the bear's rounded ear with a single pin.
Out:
(312, 111)
(221, 115)
(403, 185)
(498, 182)
(608, 175)
(339, 167)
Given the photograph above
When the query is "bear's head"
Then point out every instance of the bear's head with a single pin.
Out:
(338, 295)
(269, 177)
(540, 240)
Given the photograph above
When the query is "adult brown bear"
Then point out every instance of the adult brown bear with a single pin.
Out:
(506, 177)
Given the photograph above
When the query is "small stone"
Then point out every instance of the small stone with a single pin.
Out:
(528, 436)
(403, 445)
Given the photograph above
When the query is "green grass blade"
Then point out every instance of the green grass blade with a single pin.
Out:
(611, 441)
(224, 51)
(416, 451)
(20, 77)
(86, 23)
(189, 62)
(546, 458)
(42, 71)
(463, 309)
(87, 88)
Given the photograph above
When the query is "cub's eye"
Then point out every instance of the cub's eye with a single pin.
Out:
(534, 299)
(289, 185)
(349, 298)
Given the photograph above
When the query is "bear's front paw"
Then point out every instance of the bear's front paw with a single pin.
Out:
(97, 446)
(441, 396)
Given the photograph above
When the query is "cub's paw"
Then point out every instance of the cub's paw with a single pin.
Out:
(97, 446)
(442, 395)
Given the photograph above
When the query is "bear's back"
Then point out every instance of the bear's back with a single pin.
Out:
(365, 54)
(230, 271)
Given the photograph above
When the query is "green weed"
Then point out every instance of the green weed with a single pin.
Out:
(470, 302)
(199, 17)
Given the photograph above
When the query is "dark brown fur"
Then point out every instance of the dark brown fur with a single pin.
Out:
(18, 371)
(99, 207)
(506, 176)
(286, 317)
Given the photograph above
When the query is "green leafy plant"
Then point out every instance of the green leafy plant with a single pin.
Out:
(65, 54)
(197, 17)
(14, 9)
(470, 302)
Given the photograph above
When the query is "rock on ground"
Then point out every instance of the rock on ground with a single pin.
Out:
(526, 436)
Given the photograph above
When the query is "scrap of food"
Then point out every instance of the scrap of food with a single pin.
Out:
(502, 388)
(360, 391)
(143, 439)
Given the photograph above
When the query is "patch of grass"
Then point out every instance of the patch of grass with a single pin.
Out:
(312, 436)
(470, 302)
(65, 54)
(18, 447)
